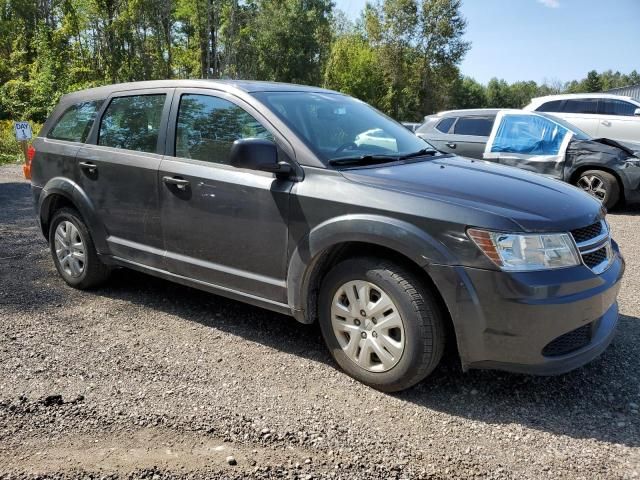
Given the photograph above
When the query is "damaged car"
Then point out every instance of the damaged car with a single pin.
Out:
(542, 143)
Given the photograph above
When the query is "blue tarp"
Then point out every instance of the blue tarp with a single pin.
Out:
(529, 135)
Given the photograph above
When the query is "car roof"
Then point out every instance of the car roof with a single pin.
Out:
(566, 96)
(470, 112)
(247, 86)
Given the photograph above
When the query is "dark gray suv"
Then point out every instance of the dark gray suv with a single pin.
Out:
(311, 203)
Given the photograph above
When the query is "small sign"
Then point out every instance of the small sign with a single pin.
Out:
(23, 131)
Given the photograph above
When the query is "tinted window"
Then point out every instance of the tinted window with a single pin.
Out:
(74, 124)
(554, 106)
(617, 107)
(445, 124)
(478, 126)
(208, 126)
(132, 123)
(581, 105)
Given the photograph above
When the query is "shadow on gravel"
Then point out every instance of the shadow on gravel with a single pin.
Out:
(591, 402)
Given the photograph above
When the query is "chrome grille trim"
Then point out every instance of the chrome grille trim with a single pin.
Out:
(594, 244)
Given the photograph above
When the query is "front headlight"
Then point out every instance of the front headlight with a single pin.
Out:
(515, 252)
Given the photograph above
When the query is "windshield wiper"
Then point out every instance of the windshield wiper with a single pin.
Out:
(420, 153)
(364, 160)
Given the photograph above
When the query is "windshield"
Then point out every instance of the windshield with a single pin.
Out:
(577, 133)
(336, 126)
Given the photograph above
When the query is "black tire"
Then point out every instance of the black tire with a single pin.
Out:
(609, 183)
(94, 271)
(421, 317)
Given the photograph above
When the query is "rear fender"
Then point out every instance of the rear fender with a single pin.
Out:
(73, 193)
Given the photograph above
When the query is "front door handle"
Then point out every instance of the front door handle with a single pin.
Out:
(89, 167)
(179, 183)
(451, 145)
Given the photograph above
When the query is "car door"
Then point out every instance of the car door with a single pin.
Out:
(618, 120)
(118, 171)
(222, 225)
(583, 113)
(469, 135)
(436, 132)
(528, 141)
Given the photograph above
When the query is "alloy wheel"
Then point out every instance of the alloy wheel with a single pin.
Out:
(368, 326)
(593, 185)
(70, 249)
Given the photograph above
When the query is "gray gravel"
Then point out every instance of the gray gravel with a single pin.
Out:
(147, 379)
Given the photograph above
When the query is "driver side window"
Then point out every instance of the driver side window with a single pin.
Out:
(207, 127)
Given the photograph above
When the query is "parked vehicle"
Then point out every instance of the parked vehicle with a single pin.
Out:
(541, 143)
(463, 132)
(259, 192)
(600, 115)
(412, 126)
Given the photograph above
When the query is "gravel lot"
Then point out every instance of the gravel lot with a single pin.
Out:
(144, 378)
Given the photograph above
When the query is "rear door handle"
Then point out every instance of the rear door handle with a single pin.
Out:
(180, 183)
(606, 123)
(88, 166)
(451, 145)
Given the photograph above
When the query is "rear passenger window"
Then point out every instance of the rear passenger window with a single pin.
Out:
(477, 126)
(581, 105)
(132, 123)
(208, 126)
(617, 107)
(445, 124)
(76, 122)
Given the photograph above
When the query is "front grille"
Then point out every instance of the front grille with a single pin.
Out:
(594, 245)
(569, 342)
(587, 233)
(594, 259)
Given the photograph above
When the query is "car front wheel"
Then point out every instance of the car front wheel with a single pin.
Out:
(601, 185)
(382, 325)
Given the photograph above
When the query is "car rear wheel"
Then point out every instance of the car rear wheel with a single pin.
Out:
(73, 252)
(601, 185)
(382, 325)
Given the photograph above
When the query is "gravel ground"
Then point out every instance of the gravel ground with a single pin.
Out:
(147, 379)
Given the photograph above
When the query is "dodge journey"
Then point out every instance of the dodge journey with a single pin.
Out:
(285, 197)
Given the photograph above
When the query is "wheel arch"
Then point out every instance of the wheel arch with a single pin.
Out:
(358, 235)
(61, 192)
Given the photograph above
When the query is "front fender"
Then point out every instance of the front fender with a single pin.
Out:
(71, 191)
(394, 234)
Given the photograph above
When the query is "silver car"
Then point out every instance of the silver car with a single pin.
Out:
(463, 132)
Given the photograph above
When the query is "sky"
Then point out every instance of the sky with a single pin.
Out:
(544, 40)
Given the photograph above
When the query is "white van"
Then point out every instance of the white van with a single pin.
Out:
(601, 115)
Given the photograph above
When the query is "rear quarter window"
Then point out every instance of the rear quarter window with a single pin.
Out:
(76, 122)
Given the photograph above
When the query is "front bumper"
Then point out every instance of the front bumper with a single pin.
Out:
(505, 320)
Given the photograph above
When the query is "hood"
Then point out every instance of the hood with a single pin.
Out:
(479, 189)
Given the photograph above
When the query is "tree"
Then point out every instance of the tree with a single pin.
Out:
(592, 82)
(353, 68)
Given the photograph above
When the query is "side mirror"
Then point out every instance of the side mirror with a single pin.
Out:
(257, 154)
(637, 112)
